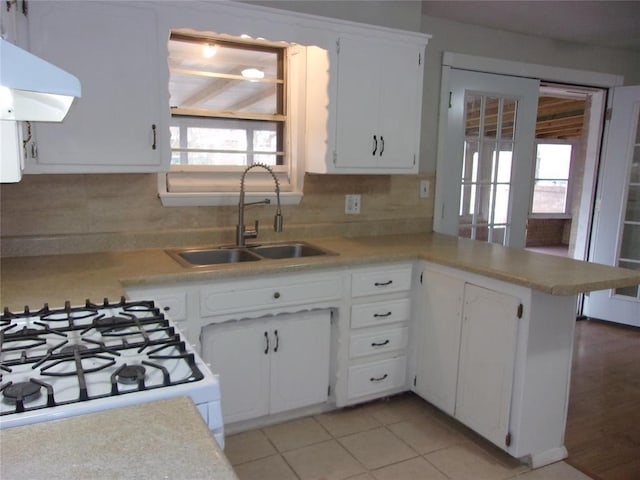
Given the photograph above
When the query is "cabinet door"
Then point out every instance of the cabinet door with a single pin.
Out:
(439, 339)
(487, 356)
(299, 360)
(378, 104)
(115, 52)
(357, 104)
(239, 352)
(400, 105)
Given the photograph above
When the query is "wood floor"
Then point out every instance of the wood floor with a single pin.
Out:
(603, 426)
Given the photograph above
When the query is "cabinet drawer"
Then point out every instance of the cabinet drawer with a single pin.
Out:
(378, 342)
(241, 297)
(380, 313)
(377, 377)
(375, 282)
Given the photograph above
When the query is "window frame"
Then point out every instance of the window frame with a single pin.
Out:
(551, 215)
(220, 185)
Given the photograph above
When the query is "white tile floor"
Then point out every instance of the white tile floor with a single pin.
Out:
(402, 438)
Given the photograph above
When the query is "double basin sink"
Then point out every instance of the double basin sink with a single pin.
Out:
(203, 257)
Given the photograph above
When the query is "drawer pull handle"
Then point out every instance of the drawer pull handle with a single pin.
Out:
(379, 379)
(276, 295)
(379, 315)
(380, 344)
(266, 337)
(383, 284)
(275, 349)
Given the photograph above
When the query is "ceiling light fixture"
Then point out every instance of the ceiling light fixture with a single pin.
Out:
(252, 73)
(209, 50)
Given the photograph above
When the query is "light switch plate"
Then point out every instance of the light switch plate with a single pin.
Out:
(352, 204)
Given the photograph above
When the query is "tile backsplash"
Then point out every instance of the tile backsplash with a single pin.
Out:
(54, 214)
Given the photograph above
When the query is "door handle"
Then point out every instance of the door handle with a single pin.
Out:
(275, 349)
(266, 337)
(375, 145)
(382, 147)
(153, 131)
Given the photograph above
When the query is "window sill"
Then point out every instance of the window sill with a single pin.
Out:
(200, 199)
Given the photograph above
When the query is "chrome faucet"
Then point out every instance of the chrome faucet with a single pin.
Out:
(241, 232)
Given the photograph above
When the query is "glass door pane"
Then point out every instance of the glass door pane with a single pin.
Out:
(629, 254)
(486, 173)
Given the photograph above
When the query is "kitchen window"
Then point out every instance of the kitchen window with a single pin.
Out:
(234, 102)
(551, 180)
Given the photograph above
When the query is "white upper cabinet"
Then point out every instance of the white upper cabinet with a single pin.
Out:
(360, 101)
(377, 107)
(120, 124)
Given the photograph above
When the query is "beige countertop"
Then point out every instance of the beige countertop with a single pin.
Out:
(55, 278)
(162, 439)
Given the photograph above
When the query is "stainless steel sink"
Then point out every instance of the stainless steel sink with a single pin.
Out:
(212, 256)
(203, 257)
(288, 250)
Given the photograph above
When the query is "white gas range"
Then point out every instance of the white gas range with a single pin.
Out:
(62, 362)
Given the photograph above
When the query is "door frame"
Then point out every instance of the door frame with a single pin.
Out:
(518, 69)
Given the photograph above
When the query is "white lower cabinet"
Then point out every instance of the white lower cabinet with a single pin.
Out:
(376, 377)
(487, 359)
(438, 339)
(268, 366)
(378, 332)
(466, 353)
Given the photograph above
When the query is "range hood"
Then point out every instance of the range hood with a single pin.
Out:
(32, 89)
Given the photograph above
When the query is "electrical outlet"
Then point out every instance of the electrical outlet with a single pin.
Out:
(352, 204)
(424, 188)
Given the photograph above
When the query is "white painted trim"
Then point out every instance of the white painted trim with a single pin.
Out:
(585, 217)
(197, 199)
(305, 20)
(548, 457)
(531, 70)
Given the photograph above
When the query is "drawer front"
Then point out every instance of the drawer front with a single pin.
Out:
(377, 377)
(375, 282)
(380, 313)
(216, 301)
(378, 342)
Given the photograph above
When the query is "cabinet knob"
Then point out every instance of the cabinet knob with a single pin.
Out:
(276, 295)
(166, 309)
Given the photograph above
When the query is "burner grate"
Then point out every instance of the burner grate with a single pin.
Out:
(87, 353)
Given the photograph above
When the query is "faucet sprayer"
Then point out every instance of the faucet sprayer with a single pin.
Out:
(241, 232)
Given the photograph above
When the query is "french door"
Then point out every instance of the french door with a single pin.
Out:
(485, 170)
(616, 230)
